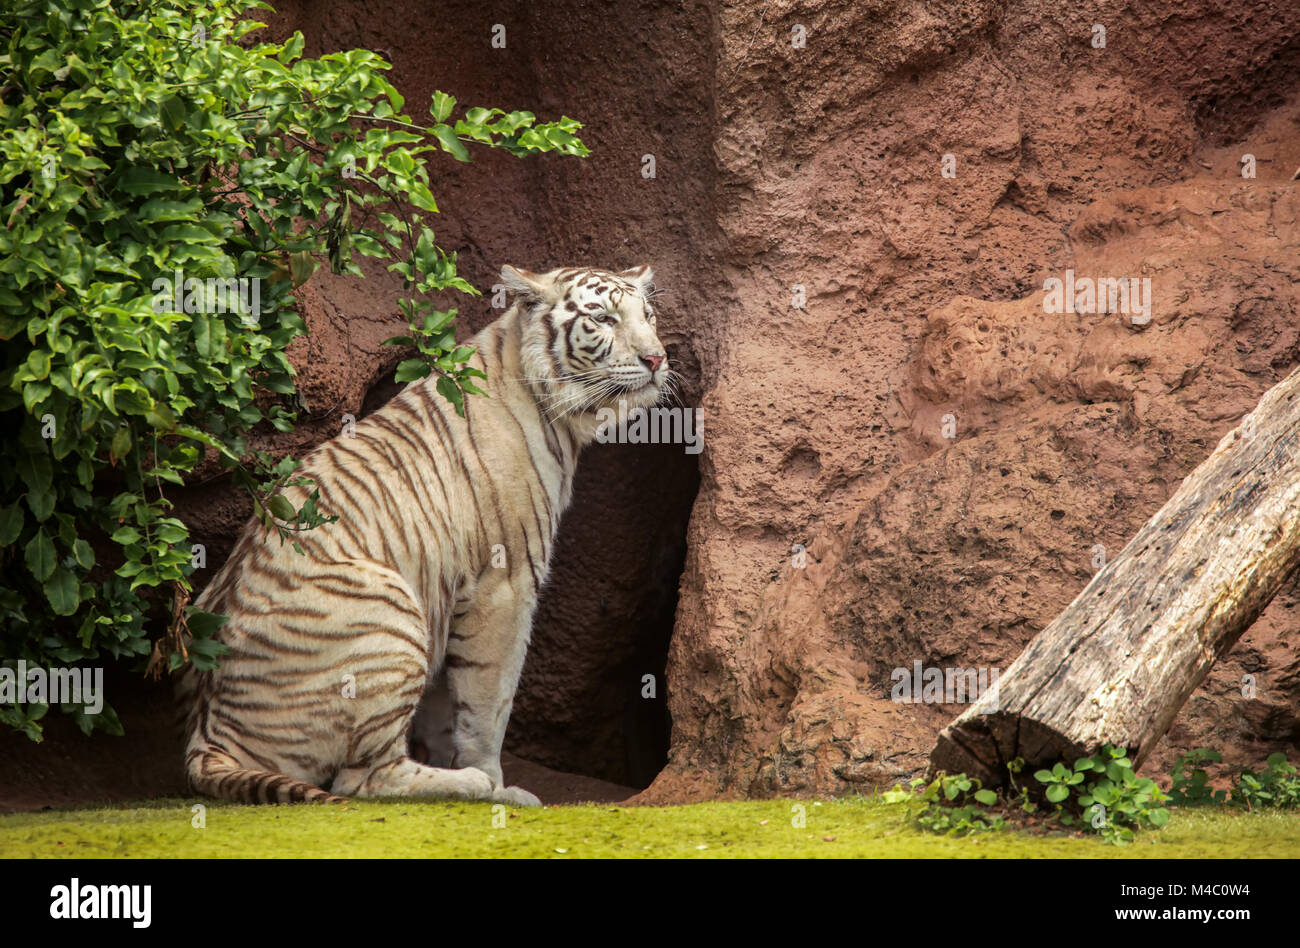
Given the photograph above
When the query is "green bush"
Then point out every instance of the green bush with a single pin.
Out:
(953, 805)
(1101, 793)
(153, 139)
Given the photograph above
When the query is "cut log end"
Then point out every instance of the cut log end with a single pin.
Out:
(982, 745)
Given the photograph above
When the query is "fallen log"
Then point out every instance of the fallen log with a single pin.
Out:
(1117, 665)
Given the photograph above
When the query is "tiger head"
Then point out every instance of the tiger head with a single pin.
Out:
(589, 339)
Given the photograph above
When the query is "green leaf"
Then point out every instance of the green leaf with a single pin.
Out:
(292, 49)
(186, 233)
(126, 535)
(42, 504)
(160, 417)
(987, 797)
(34, 393)
(449, 390)
(301, 266)
(281, 508)
(410, 370)
(121, 445)
(35, 470)
(39, 555)
(420, 195)
(441, 106)
(174, 108)
(142, 179)
(202, 335)
(83, 554)
(62, 591)
(202, 624)
(159, 210)
(38, 364)
(11, 524)
(1057, 792)
(450, 143)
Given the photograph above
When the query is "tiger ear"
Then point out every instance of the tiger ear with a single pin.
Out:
(640, 277)
(537, 286)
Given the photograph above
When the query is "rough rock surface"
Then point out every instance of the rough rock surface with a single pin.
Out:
(924, 300)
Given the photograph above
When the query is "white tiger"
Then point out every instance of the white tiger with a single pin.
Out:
(394, 625)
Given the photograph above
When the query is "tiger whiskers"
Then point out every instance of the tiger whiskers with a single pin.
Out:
(577, 400)
(586, 398)
(670, 388)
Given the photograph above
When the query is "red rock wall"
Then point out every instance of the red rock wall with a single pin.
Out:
(924, 299)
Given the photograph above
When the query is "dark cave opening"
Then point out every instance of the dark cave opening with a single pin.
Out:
(593, 697)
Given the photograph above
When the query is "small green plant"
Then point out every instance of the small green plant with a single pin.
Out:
(1014, 768)
(1099, 793)
(1276, 786)
(1059, 781)
(1190, 784)
(1115, 801)
(954, 805)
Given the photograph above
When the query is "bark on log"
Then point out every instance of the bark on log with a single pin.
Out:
(1116, 666)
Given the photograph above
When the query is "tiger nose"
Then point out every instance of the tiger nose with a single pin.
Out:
(653, 362)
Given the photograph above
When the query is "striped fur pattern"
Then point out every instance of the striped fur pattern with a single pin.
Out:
(402, 630)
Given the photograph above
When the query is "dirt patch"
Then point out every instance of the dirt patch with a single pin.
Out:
(69, 769)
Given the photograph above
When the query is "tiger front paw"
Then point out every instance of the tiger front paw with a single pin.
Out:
(515, 796)
(472, 784)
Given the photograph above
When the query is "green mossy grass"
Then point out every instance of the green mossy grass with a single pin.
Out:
(850, 827)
